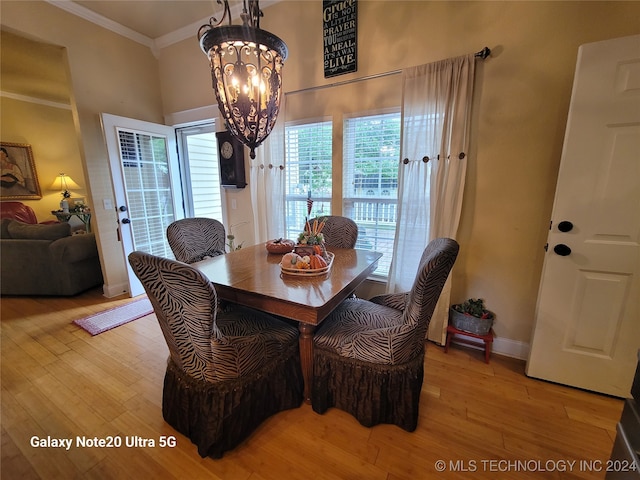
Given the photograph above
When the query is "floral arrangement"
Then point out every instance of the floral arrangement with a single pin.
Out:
(80, 207)
(475, 308)
(471, 316)
(231, 243)
(232, 238)
(312, 233)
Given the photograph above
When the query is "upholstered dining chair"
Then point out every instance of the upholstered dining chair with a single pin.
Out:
(339, 232)
(194, 239)
(227, 371)
(369, 355)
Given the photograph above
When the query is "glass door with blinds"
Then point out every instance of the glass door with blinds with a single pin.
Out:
(149, 196)
(146, 180)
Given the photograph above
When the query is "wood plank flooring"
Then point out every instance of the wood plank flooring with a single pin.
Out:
(481, 421)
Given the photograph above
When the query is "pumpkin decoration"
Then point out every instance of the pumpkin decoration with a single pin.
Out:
(280, 245)
(289, 259)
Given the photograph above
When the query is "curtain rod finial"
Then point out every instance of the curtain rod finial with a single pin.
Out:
(484, 53)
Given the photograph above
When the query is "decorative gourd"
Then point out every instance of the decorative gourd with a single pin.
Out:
(317, 261)
(290, 259)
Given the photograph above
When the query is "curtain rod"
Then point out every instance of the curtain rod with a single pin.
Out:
(482, 54)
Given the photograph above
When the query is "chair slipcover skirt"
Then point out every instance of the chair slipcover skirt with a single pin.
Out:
(372, 393)
(369, 354)
(219, 416)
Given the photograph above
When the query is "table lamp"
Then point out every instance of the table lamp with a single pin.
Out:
(63, 183)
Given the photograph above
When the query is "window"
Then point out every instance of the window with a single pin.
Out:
(200, 171)
(308, 154)
(370, 181)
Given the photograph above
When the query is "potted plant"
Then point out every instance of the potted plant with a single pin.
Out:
(471, 316)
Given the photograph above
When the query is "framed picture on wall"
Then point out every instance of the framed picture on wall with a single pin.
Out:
(19, 179)
(231, 156)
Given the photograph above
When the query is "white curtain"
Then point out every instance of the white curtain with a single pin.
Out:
(267, 183)
(436, 115)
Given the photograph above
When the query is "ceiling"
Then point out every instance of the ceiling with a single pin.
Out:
(154, 18)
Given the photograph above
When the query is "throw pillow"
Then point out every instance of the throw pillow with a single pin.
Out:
(26, 231)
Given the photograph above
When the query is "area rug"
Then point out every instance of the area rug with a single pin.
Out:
(114, 317)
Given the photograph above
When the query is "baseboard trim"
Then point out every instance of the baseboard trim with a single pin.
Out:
(111, 291)
(511, 348)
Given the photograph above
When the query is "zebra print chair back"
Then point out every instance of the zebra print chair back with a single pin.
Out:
(339, 232)
(227, 370)
(435, 264)
(369, 354)
(194, 239)
(184, 302)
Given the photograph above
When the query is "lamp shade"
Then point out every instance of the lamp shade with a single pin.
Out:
(64, 183)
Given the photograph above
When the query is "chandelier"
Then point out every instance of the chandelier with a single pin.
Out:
(246, 64)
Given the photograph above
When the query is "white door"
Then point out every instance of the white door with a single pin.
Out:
(587, 330)
(145, 175)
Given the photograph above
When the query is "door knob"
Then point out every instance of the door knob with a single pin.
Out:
(125, 220)
(565, 226)
(122, 208)
(562, 250)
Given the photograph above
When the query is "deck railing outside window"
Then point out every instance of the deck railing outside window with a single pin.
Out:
(371, 153)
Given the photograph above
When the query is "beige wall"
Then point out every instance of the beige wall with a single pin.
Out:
(522, 100)
(51, 133)
(35, 109)
(109, 73)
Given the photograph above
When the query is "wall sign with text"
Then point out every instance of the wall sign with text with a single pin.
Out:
(340, 36)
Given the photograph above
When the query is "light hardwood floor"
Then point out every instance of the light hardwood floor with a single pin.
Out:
(482, 421)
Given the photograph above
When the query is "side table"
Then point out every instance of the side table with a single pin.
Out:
(487, 339)
(84, 217)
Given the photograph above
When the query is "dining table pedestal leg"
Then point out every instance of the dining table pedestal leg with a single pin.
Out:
(306, 357)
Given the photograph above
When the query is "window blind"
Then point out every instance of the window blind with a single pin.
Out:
(308, 172)
(145, 167)
(371, 154)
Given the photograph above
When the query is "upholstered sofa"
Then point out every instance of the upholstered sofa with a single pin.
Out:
(21, 212)
(46, 259)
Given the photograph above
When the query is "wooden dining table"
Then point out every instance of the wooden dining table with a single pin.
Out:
(253, 277)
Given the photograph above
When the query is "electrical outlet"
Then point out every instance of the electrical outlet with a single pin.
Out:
(107, 203)
(234, 204)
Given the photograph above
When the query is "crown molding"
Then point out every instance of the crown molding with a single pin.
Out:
(39, 101)
(155, 45)
(85, 13)
(188, 31)
(191, 30)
